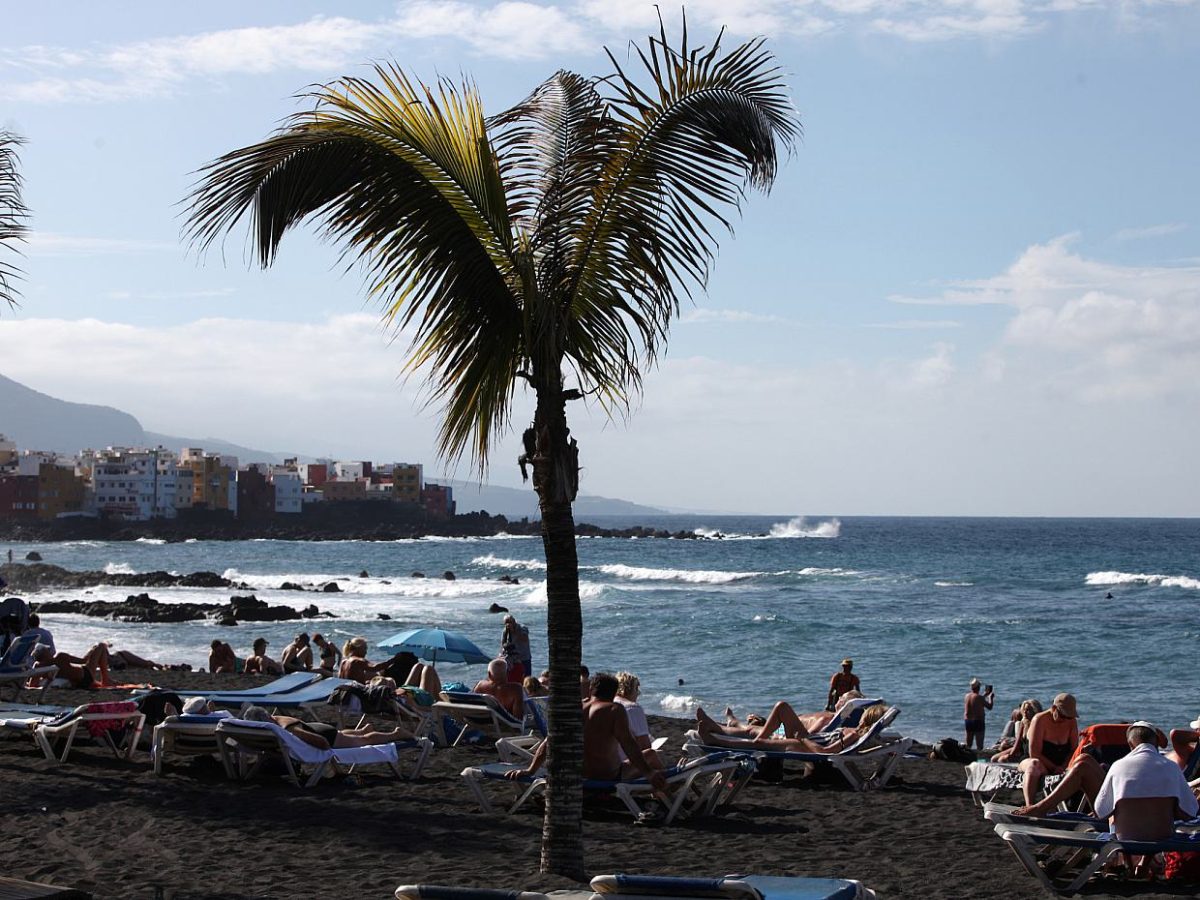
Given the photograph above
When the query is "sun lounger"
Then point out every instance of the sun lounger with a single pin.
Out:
(245, 744)
(870, 762)
(1064, 861)
(108, 723)
(480, 711)
(187, 736)
(281, 685)
(17, 666)
(733, 887)
(297, 699)
(696, 788)
(987, 779)
(641, 887)
(1002, 813)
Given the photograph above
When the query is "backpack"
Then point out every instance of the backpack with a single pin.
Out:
(951, 750)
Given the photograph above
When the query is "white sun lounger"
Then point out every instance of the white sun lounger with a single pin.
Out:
(188, 736)
(870, 762)
(987, 779)
(480, 711)
(47, 731)
(17, 666)
(245, 744)
(691, 791)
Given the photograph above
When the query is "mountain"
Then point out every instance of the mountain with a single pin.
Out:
(37, 421)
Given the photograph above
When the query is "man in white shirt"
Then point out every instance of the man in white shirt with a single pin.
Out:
(628, 689)
(1144, 792)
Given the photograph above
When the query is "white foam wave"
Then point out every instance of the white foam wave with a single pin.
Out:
(500, 562)
(679, 702)
(953, 583)
(770, 617)
(800, 527)
(588, 590)
(691, 576)
(190, 541)
(399, 586)
(118, 569)
(146, 540)
(1110, 578)
(834, 572)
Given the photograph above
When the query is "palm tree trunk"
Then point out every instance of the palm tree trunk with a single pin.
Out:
(555, 478)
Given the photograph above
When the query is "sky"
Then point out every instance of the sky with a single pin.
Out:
(973, 290)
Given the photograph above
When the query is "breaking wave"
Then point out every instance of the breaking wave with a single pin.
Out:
(954, 584)
(679, 702)
(119, 569)
(1110, 578)
(501, 563)
(691, 576)
(146, 540)
(800, 527)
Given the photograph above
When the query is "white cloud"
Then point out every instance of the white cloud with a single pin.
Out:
(46, 243)
(916, 324)
(509, 29)
(1152, 231)
(703, 315)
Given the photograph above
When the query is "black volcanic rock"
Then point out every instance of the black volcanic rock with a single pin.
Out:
(497, 608)
(33, 556)
(332, 588)
(43, 575)
(449, 576)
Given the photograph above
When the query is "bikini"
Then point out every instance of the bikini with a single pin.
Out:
(1056, 753)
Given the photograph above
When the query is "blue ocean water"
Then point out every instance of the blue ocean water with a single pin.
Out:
(764, 612)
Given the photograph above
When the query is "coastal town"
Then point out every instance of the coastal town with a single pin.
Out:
(142, 484)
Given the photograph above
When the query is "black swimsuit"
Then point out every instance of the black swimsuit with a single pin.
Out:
(1056, 753)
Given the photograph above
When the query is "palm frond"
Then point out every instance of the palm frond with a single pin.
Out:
(13, 215)
(403, 177)
(706, 126)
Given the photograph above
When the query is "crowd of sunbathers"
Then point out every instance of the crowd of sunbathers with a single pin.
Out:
(94, 667)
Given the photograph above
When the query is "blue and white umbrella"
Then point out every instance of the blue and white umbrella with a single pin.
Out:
(435, 644)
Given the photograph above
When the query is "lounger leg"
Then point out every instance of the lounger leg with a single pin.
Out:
(317, 775)
(473, 781)
(538, 787)
(156, 751)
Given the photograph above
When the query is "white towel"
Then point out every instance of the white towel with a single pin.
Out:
(1144, 773)
(310, 755)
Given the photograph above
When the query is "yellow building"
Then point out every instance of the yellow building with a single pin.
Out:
(406, 482)
(60, 491)
(210, 479)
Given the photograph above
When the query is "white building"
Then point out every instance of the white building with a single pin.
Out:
(350, 471)
(289, 491)
(131, 484)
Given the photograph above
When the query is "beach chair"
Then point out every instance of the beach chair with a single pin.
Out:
(419, 720)
(641, 887)
(731, 887)
(482, 712)
(985, 780)
(849, 715)
(17, 666)
(280, 685)
(244, 745)
(107, 723)
(297, 701)
(870, 762)
(187, 736)
(697, 787)
(1064, 861)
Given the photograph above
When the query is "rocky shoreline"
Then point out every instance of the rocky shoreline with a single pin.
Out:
(301, 528)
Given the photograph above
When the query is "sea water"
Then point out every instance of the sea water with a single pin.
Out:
(762, 609)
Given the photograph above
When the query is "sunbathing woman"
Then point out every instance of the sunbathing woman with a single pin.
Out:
(324, 736)
(811, 722)
(796, 737)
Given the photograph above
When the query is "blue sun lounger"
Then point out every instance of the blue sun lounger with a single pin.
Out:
(17, 666)
(282, 685)
(297, 700)
(1041, 850)
(660, 887)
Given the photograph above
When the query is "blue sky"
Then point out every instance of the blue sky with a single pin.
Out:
(975, 288)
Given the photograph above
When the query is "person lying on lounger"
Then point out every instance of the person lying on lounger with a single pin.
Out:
(324, 736)
(80, 672)
(605, 734)
(813, 722)
(796, 736)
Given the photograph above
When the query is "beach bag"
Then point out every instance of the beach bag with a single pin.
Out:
(952, 751)
(1181, 865)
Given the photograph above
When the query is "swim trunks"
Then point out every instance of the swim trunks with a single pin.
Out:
(973, 726)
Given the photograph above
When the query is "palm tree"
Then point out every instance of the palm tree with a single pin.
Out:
(548, 247)
(12, 214)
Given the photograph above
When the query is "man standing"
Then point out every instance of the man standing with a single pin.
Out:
(840, 683)
(975, 707)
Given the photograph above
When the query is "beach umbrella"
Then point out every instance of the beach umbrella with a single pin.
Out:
(434, 644)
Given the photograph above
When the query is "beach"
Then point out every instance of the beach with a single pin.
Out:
(115, 829)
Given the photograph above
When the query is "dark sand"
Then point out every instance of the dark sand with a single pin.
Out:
(113, 828)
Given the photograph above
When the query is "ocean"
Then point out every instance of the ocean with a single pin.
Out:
(762, 610)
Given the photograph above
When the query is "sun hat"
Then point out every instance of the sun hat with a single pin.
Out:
(195, 706)
(1065, 703)
(1140, 723)
(847, 662)
(975, 682)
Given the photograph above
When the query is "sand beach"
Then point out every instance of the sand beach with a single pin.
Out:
(115, 829)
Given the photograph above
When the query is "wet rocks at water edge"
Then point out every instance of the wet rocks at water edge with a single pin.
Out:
(449, 576)
(497, 608)
(37, 576)
(33, 556)
(144, 608)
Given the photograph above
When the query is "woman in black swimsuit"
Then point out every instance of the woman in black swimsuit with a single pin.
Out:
(1053, 736)
(323, 736)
